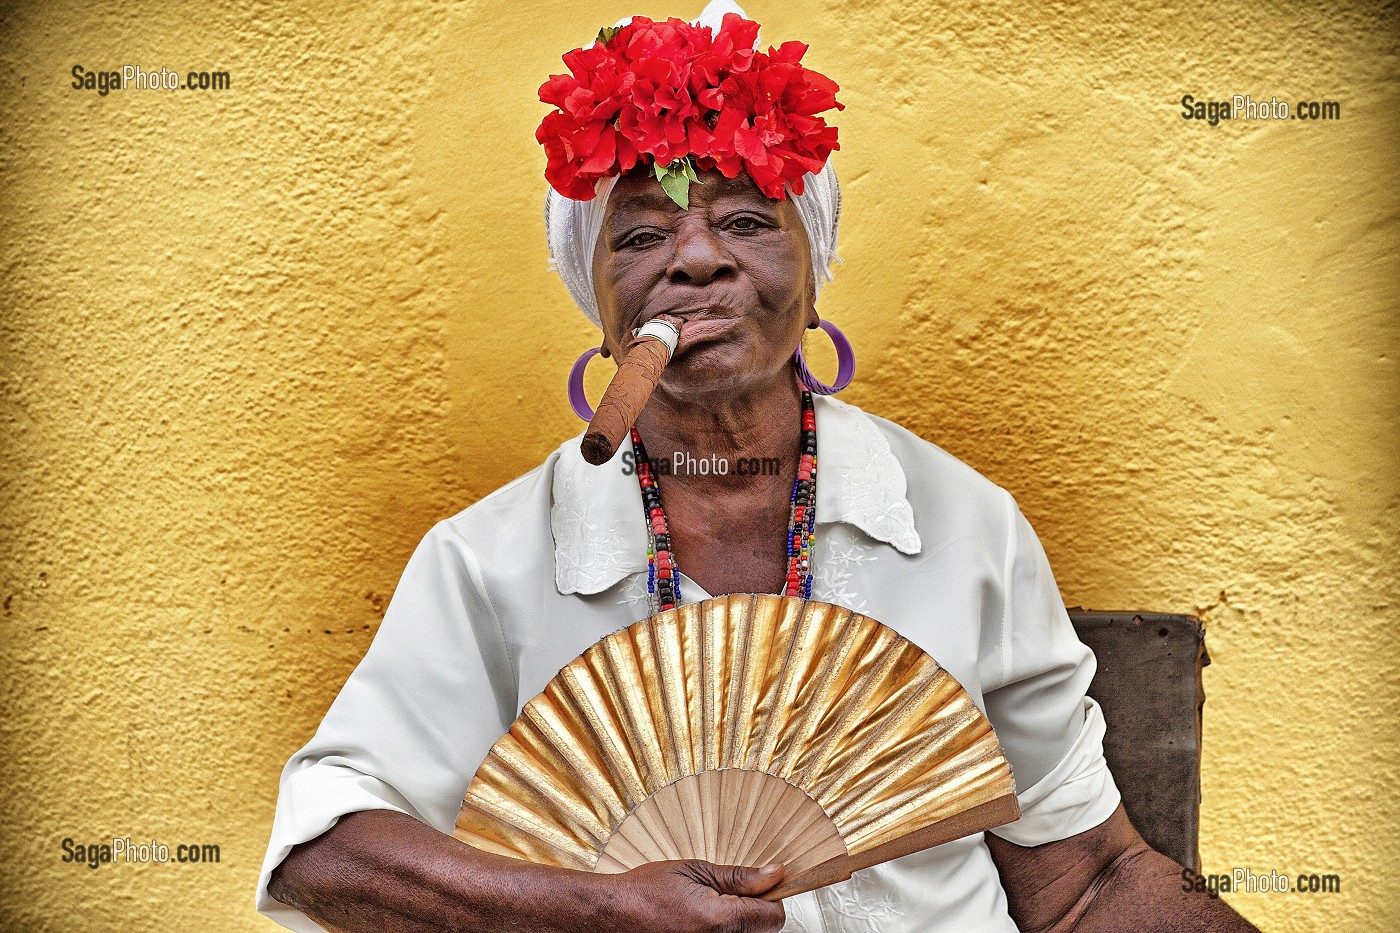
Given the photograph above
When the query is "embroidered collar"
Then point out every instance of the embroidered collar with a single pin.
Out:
(596, 517)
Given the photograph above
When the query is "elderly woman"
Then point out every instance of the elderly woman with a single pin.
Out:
(498, 598)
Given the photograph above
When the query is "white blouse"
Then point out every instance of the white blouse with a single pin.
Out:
(906, 534)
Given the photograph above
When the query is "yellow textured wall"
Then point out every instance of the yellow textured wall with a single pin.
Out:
(254, 345)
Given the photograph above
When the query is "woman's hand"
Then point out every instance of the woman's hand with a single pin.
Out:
(699, 897)
(380, 871)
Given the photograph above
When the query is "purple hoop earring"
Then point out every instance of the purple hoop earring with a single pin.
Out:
(577, 397)
(845, 363)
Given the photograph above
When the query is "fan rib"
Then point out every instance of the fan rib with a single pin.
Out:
(994, 812)
(792, 617)
(850, 707)
(764, 806)
(568, 749)
(691, 810)
(979, 777)
(540, 832)
(829, 668)
(709, 683)
(516, 771)
(887, 755)
(730, 790)
(619, 854)
(641, 734)
(590, 695)
(944, 743)
(835, 789)
(650, 837)
(740, 648)
(847, 679)
(746, 802)
(709, 785)
(672, 716)
(677, 827)
(783, 844)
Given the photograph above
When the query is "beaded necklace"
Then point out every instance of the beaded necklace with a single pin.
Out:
(663, 579)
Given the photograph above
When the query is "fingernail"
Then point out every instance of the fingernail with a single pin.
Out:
(769, 869)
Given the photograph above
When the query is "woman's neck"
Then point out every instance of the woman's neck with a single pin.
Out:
(759, 427)
(728, 521)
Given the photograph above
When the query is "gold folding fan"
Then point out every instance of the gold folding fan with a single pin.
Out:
(742, 730)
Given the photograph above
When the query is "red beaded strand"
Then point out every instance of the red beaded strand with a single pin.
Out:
(802, 522)
(663, 584)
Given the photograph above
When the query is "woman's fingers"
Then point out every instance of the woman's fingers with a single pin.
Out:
(737, 879)
(695, 895)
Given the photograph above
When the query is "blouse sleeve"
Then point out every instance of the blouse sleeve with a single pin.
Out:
(1034, 683)
(415, 718)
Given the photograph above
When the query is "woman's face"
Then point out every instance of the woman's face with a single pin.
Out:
(736, 265)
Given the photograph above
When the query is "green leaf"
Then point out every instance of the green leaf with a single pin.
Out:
(605, 35)
(677, 188)
(676, 179)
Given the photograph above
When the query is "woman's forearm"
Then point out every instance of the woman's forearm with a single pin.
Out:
(1143, 891)
(380, 871)
(1104, 880)
(383, 871)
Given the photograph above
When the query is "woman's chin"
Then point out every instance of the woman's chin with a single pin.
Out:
(707, 370)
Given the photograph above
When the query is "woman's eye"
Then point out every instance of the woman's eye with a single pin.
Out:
(640, 238)
(746, 224)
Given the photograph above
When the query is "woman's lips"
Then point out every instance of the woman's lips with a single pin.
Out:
(700, 329)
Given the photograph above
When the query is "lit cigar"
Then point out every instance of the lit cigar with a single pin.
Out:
(647, 354)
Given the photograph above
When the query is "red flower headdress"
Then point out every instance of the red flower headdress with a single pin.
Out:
(683, 97)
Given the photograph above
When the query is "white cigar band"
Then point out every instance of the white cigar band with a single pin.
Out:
(664, 331)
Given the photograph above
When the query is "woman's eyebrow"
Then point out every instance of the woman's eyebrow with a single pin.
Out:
(644, 201)
(647, 201)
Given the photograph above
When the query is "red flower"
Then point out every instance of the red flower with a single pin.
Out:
(657, 92)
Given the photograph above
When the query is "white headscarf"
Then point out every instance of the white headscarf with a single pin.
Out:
(573, 227)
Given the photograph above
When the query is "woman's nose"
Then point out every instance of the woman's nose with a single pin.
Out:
(699, 256)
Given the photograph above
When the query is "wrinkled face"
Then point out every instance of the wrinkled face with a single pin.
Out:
(736, 265)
